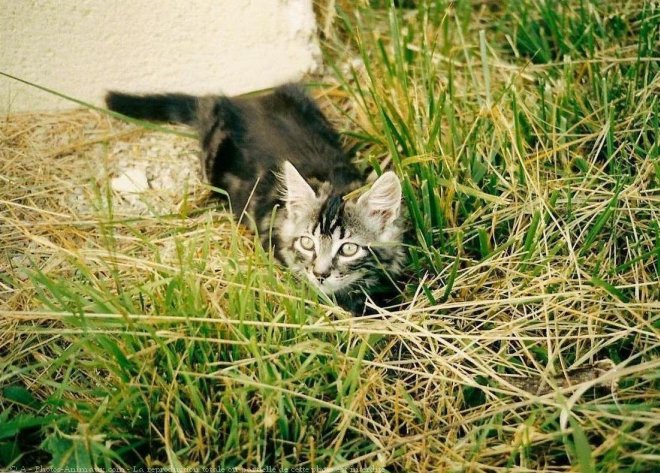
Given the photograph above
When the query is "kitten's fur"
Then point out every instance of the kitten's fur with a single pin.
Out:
(281, 163)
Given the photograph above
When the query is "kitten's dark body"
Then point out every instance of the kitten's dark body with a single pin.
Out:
(245, 143)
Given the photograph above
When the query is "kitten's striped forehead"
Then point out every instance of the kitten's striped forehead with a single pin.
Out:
(331, 217)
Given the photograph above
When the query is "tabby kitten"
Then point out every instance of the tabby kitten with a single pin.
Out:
(281, 163)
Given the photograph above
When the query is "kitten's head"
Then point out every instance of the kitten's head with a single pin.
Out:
(342, 246)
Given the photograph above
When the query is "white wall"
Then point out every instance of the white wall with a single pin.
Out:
(84, 47)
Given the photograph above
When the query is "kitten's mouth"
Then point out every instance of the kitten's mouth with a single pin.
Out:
(331, 284)
(327, 286)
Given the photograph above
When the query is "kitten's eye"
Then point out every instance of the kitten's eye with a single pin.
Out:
(348, 249)
(307, 243)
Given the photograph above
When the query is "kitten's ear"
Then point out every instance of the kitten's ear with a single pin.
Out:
(298, 194)
(383, 201)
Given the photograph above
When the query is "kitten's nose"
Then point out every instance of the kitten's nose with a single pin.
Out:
(321, 276)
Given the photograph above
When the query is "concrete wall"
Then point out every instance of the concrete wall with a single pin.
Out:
(84, 47)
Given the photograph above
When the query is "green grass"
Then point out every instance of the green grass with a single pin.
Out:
(526, 136)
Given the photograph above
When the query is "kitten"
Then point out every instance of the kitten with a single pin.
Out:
(282, 165)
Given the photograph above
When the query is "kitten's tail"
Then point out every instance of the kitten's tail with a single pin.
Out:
(178, 108)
